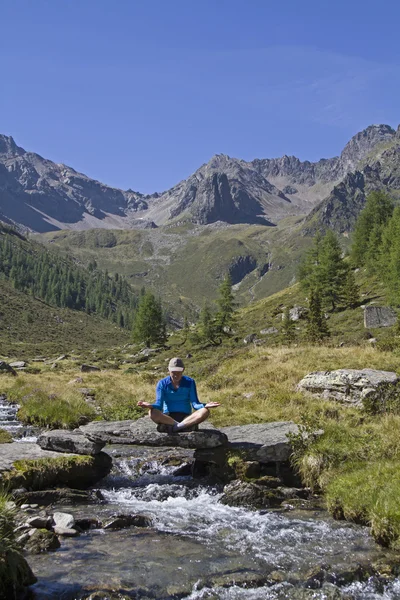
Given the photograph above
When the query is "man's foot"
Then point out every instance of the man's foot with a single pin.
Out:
(164, 428)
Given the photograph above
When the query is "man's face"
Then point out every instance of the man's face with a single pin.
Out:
(176, 376)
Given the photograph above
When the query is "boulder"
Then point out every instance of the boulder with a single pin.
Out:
(262, 442)
(250, 338)
(65, 532)
(242, 493)
(269, 331)
(62, 440)
(296, 313)
(379, 316)
(18, 364)
(65, 469)
(124, 521)
(143, 432)
(351, 386)
(64, 520)
(89, 368)
(6, 368)
(42, 540)
(60, 495)
(39, 522)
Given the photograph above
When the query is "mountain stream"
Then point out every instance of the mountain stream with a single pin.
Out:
(200, 549)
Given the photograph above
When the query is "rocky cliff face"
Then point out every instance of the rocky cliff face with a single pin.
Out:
(339, 211)
(41, 195)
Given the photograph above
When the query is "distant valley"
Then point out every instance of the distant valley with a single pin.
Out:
(251, 219)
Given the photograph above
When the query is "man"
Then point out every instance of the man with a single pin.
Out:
(176, 395)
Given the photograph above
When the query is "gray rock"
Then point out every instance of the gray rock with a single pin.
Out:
(6, 368)
(250, 338)
(65, 531)
(379, 316)
(124, 521)
(242, 493)
(78, 474)
(89, 368)
(19, 364)
(269, 331)
(40, 522)
(143, 432)
(296, 313)
(64, 520)
(350, 386)
(42, 540)
(264, 442)
(61, 440)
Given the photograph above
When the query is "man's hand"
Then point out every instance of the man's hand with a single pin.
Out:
(144, 404)
(212, 404)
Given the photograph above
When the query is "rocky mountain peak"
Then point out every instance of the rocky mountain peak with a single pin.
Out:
(9, 147)
(362, 143)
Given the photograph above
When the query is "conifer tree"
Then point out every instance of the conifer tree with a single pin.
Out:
(288, 331)
(226, 305)
(332, 270)
(369, 227)
(207, 326)
(149, 324)
(351, 291)
(317, 328)
(389, 260)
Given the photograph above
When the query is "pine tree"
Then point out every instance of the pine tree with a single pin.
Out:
(351, 291)
(149, 324)
(317, 328)
(324, 269)
(332, 270)
(288, 330)
(369, 227)
(389, 262)
(226, 305)
(208, 329)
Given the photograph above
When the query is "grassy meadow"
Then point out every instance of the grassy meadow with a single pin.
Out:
(354, 463)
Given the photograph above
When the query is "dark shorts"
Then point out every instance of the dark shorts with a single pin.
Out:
(178, 416)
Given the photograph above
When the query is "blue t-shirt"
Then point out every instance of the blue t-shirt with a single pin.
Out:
(182, 399)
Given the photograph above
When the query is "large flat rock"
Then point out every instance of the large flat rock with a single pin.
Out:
(264, 442)
(77, 473)
(61, 440)
(143, 432)
(10, 453)
(351, 386)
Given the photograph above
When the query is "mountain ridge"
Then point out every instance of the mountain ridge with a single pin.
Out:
(40, 195)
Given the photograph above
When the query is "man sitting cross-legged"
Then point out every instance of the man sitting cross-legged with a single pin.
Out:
(176, 395)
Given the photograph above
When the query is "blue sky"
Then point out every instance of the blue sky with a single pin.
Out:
(140, 93)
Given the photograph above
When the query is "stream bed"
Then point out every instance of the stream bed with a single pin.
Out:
(201, 549)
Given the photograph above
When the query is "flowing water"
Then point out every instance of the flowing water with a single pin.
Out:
(198, 546)
(9, 421)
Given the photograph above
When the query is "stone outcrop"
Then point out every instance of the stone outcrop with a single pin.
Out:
(243, 493)
(61, 440)
(40, 473)
(6, 368)
(379, 316)
(351, 386)
(262, 442)
(143, 432)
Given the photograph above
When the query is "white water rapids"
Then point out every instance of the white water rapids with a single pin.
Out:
(199, 548)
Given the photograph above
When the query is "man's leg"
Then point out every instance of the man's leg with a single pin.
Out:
(198, 416)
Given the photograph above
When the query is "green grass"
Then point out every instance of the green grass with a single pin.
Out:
(30, 327)
(62, 408)
(5, 436)
(44, 472)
